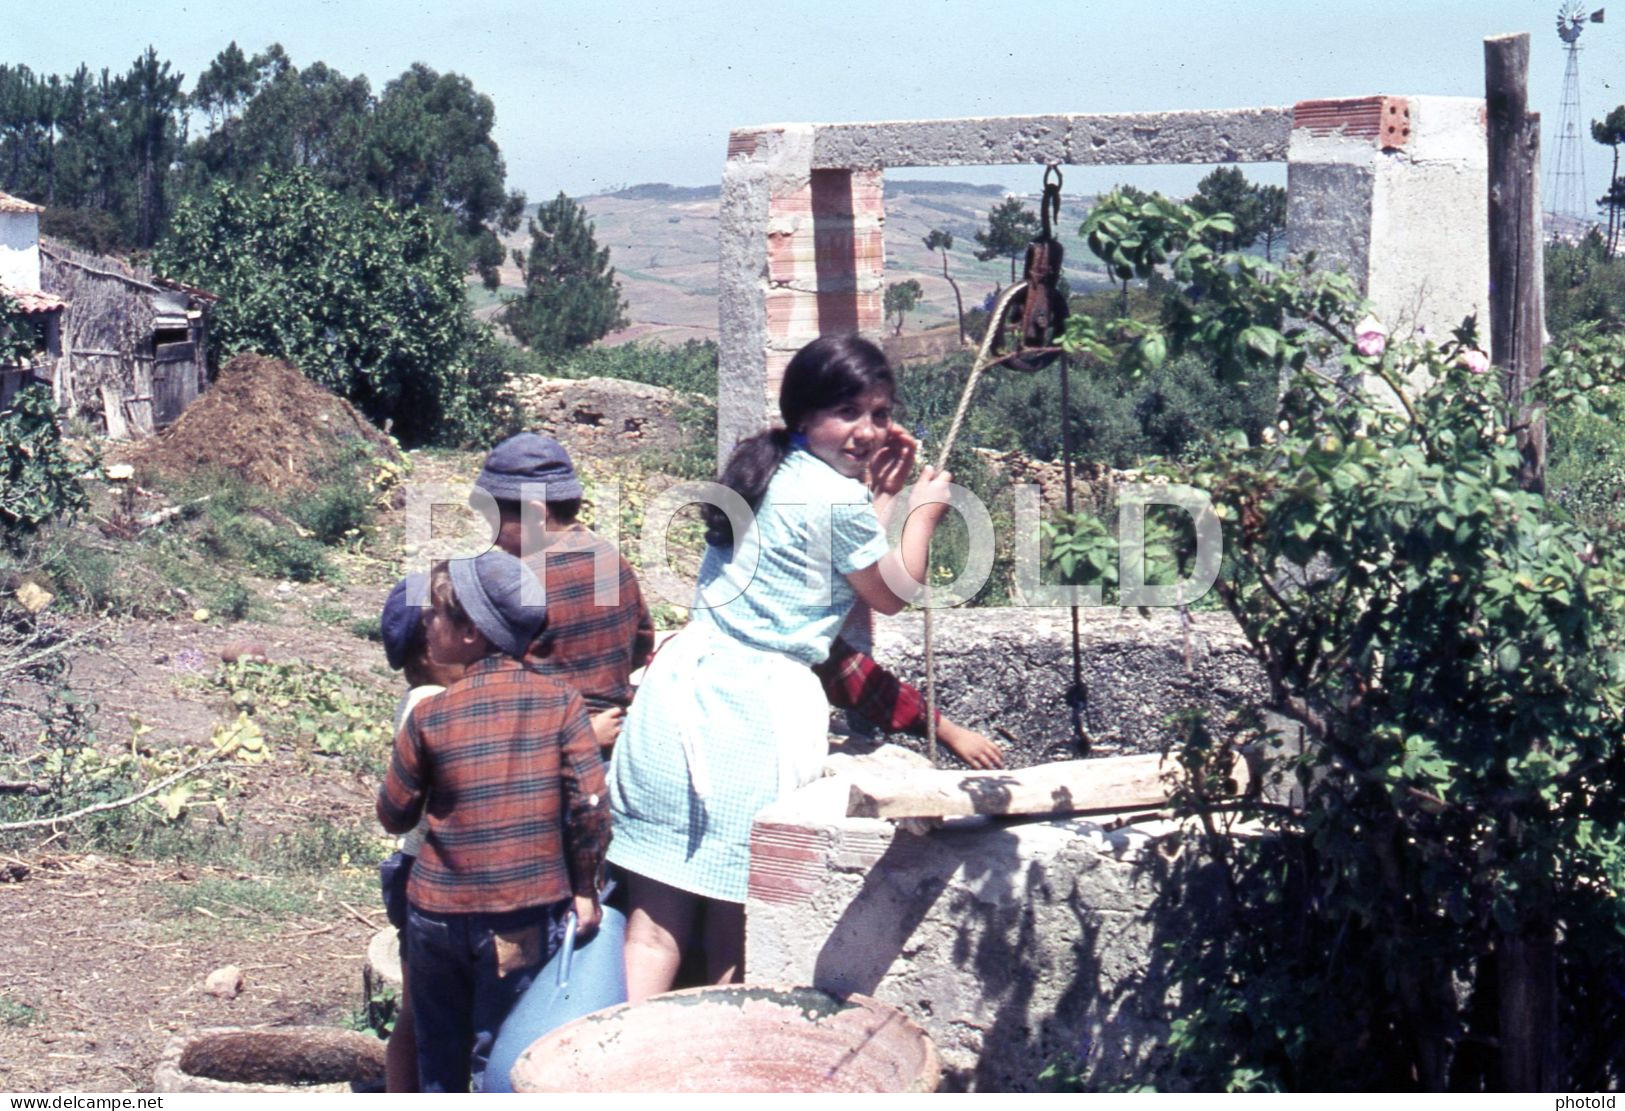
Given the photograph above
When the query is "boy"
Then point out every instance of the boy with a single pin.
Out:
(406, 649)
(505, 762)
(589, 643)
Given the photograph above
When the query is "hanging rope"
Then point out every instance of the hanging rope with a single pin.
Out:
(1042, 315)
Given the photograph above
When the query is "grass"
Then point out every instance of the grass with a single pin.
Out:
(329, 614)
(17, 1013)
(257, 906)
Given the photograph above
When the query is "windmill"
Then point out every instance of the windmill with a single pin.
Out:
(1566, 193)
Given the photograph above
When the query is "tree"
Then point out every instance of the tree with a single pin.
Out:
(1610, 132)
(1272, 217)
(1227, 190)
(901, 298)
(571, 296)
(364, 298)
(1011, 225)
(940, 240)
(148, 113)
(430, 145)
(225, 86)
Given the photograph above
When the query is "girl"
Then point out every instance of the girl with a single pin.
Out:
(729, 716)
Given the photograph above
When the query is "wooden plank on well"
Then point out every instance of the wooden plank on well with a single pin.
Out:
(1065, 787)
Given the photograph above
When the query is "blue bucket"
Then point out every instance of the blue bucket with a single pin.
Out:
(579, 980)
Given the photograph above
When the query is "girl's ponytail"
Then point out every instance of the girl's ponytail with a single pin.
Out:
(750, 468)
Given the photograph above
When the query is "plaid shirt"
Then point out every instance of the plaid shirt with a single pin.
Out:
(517, 805)
(854, 681)
(591, 647)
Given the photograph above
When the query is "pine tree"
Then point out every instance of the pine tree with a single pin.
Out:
(1011, 225)
(941, 240)
(571, 296)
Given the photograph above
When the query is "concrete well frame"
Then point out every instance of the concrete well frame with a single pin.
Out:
(1394, 188)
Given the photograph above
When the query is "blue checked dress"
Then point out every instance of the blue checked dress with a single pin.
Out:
(730, 716)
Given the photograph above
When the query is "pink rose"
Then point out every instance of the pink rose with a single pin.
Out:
(1370, 337)
(1474, 360)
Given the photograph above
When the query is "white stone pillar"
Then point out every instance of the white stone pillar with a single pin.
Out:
(1396, 190)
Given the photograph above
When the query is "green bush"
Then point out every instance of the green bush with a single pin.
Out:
(38, 480)
(336, 511)
(1437, 905)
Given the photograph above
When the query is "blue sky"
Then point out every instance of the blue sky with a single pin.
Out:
(592, 95)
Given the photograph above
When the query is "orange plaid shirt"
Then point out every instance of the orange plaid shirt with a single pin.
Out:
(506, 764)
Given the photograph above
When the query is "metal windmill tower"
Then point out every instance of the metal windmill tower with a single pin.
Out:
(1565, 184)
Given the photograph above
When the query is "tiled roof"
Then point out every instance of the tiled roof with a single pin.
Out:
(8, 203)
(34, 301)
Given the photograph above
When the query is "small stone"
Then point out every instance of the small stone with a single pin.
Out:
(225, 982)
(244, 651)
(200, 615)
(284, 588)
(119, 472)
(33, 597)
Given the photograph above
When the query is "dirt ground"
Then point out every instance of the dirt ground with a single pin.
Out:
(106, 954)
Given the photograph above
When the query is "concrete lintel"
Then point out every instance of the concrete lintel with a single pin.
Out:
(1112, 139)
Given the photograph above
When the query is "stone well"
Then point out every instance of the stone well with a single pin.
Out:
(1015, 944)
(1011, 669)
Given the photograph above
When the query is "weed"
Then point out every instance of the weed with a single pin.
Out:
(368, 628)
(317, 708)
(231, 600)
(323, 846)
(15, 1012)
(259, 905)
(338, 511)
(377, 1013)
(329, 614)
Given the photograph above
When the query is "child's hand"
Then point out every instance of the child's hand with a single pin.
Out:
(890, 465)
(970, 746)
(588, 915)
(606, 727)
(930, 494)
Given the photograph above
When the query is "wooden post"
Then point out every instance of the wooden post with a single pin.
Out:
(1517, 316)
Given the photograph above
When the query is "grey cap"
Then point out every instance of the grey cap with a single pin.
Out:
(529, 460)
(502, 597)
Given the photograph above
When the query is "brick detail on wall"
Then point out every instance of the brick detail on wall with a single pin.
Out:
(787, 863)
(825, 260)
(742, 143)
(1386, 120)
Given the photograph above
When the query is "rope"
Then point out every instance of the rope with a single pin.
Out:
(984, 359)
(1077, 697)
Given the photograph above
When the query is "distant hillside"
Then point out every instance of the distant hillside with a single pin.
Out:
(660, 191)
(663, 245)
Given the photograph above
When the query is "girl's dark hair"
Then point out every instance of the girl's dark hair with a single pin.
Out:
(828, 371)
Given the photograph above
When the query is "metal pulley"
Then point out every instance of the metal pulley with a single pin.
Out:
(1029, 321)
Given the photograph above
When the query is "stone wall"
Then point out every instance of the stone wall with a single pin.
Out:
(599, 417)
(1016, 945)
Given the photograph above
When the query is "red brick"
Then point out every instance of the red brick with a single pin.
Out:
(1386, 120)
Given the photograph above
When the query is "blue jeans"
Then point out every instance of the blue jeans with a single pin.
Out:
(468, 970)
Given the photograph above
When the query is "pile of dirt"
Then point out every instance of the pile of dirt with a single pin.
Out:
(267, 422)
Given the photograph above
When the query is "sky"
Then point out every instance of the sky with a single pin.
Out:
(592, 95)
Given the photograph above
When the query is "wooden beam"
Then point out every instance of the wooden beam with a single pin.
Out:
(1105, 784)
(1517, 316)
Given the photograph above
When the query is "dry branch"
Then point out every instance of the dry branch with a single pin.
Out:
(116, 804)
